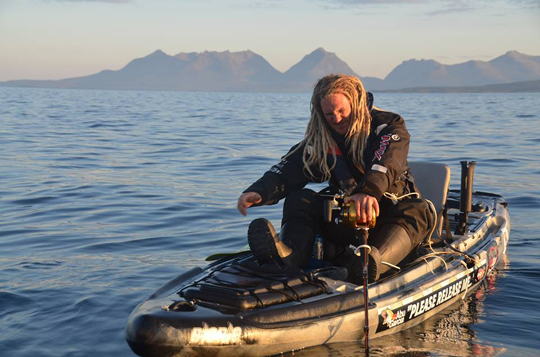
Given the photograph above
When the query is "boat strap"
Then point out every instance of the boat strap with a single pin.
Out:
(247, 285)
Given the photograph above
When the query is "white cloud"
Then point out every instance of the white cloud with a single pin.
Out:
(434, 7)
(450, 4)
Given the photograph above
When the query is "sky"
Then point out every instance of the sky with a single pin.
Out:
(55, 39)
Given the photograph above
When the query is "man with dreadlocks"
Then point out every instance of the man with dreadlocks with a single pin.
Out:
(362, 151)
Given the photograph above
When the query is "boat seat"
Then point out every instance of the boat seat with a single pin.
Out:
(433, 180)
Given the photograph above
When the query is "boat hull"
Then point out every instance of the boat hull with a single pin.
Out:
(167, 325)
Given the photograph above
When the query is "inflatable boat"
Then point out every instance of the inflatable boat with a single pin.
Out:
(234, 307)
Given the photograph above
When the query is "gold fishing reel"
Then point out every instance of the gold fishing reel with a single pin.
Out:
(346, 213)
(350, 219)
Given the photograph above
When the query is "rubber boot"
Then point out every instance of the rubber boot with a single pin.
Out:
(391, 246)
(355, 268)
(298, 235)
(265, 244)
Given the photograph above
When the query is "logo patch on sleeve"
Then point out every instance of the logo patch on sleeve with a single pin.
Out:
(385, 141)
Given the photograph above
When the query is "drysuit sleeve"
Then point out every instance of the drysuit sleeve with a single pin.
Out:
(285, 176)
(387, 151)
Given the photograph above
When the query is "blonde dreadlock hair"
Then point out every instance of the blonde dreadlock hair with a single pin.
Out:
(318, 140)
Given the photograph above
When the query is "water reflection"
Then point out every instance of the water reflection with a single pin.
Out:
(449, 333)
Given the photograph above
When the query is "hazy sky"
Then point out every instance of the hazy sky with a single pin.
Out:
(53, 39)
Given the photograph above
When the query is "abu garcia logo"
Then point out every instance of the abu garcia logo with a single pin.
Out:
(391, 319)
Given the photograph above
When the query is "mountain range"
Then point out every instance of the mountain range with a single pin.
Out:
(247, 71)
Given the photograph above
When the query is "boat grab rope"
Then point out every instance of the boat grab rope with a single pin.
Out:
(391, 265)
(448, 245)
(395, 198)
(438, 254)
(434, 255)
(356, 249)
(469, 257)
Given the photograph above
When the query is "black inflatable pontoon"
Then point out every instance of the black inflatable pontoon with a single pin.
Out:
(234, 307)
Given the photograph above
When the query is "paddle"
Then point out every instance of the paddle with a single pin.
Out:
(217, 256)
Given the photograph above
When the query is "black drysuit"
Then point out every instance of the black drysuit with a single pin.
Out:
(386, 170)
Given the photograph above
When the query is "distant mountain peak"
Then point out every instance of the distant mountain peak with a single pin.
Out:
(321, 50)
(510, 67)
(321, 53)
(157, 53)
(248, 71)
(520, 56)
(318, 64)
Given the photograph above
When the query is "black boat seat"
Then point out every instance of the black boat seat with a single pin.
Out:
(433, 180)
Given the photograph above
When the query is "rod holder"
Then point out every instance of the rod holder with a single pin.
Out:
(465, 202)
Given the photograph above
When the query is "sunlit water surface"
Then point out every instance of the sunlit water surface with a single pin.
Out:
(106, 195)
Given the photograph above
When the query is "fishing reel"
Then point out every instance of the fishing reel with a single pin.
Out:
(339, 212)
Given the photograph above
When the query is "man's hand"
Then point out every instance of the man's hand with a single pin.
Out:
(246, 200)
(365, 204)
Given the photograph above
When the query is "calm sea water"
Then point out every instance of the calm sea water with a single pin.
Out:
(106, 195)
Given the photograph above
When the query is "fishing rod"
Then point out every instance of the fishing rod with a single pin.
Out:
(349, 217)
(361, 234)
